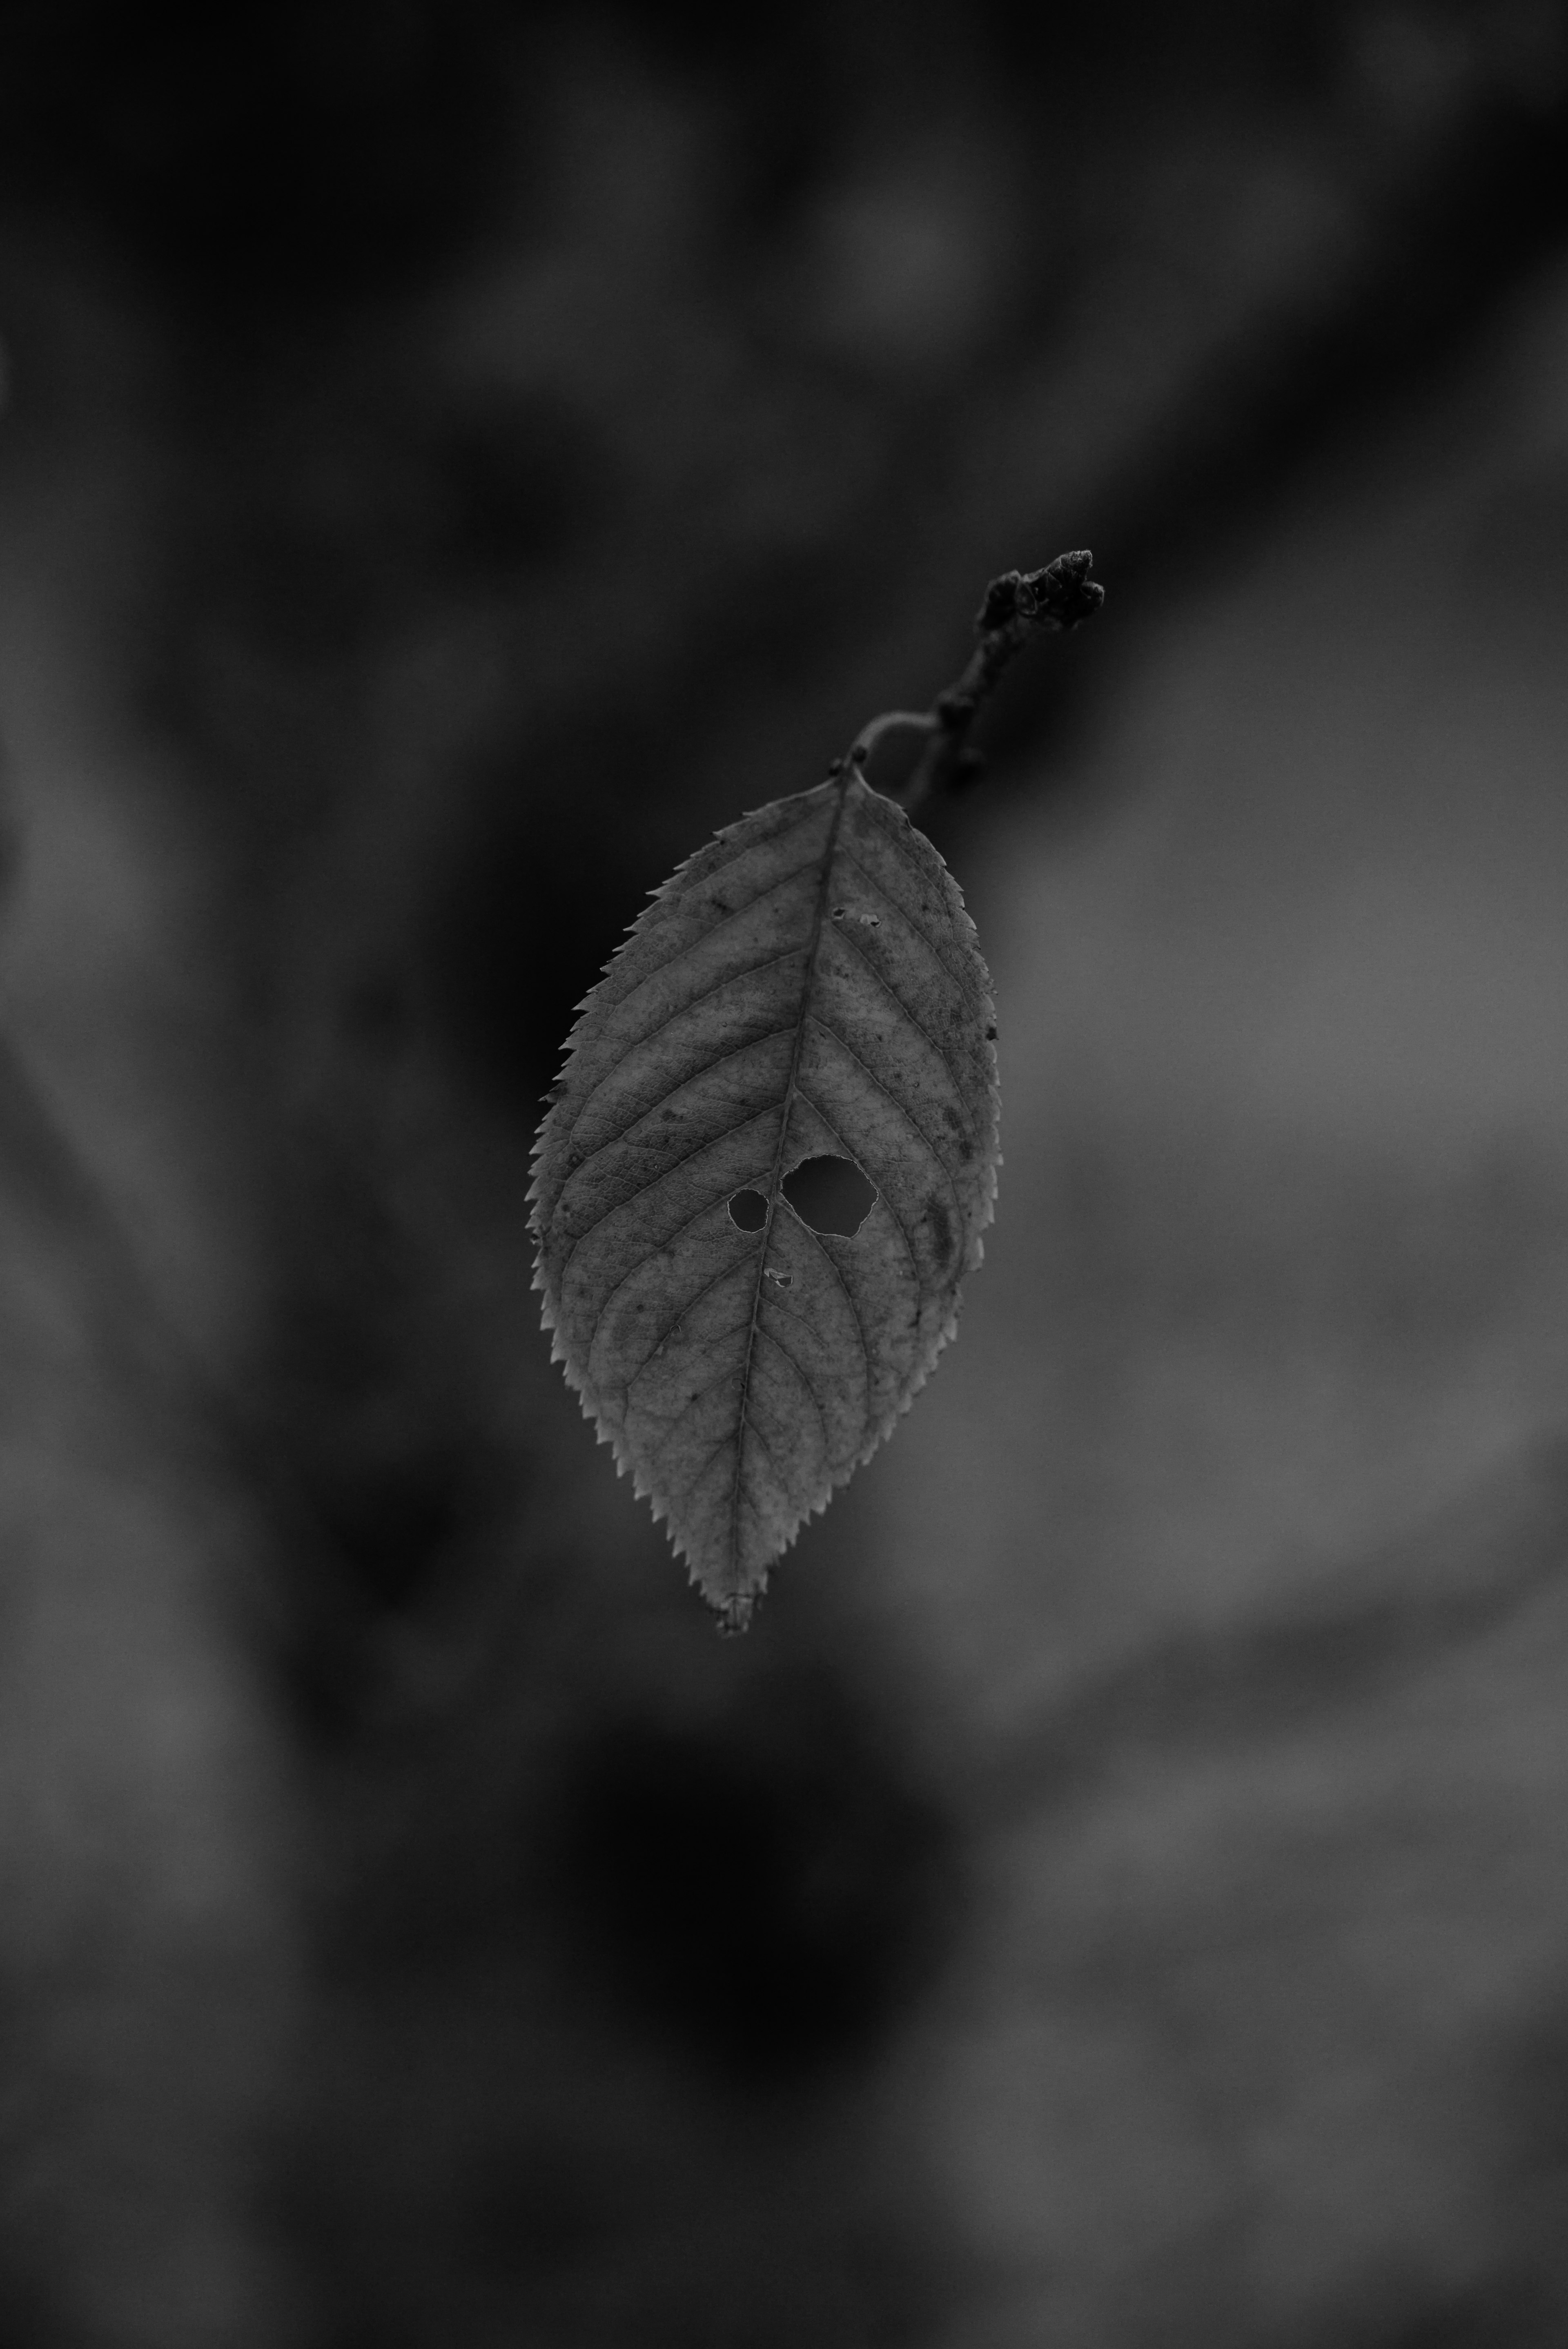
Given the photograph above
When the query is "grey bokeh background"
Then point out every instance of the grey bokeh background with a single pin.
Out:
(452, 459)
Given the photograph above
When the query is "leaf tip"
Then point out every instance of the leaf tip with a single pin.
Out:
(734, 1615)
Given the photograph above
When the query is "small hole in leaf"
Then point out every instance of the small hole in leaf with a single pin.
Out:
(829, 1194)
(748, 1211)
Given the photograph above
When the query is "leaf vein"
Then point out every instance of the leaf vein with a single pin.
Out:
(909, 1120)
(616, 1203)
(962, 977)
(639, 1043)
(690, 1306)
(914, 1020)
(690, 880)
(748, 1420)
(710, 1143)
(779, 1347)
(840, 803)
(633, 1269)
(685, 1495)
(831, 1262)
(670, 962)
(717, 1381)
(880, 1190)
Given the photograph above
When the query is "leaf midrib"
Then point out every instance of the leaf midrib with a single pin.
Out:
(847, 781)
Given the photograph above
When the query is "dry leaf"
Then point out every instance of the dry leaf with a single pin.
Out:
(807, 987)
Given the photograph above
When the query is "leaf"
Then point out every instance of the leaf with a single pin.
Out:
(808, 984)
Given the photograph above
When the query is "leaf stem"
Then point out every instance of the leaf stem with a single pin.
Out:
(1057, 599)
(892, 721)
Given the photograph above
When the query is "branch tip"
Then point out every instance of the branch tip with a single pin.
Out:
(1063, 593)
(1059, 597)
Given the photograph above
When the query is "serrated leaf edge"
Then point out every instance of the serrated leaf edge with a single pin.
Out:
(736, 1613)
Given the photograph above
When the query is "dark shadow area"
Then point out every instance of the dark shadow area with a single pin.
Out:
(454, 458)
(770, 1894)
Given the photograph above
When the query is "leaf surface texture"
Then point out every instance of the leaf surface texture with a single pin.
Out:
(808, 984)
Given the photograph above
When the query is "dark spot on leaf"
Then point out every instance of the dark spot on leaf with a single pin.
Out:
(955, 1117)
(991, 1035)
(941, 1223)
(748, 1211)
(831, 1194)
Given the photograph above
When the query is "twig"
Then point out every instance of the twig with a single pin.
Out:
(1058, 599)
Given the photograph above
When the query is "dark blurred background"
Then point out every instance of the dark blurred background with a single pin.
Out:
(452, 458)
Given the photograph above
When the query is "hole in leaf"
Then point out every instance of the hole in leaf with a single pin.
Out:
(829, 1194)
(748, 1211)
